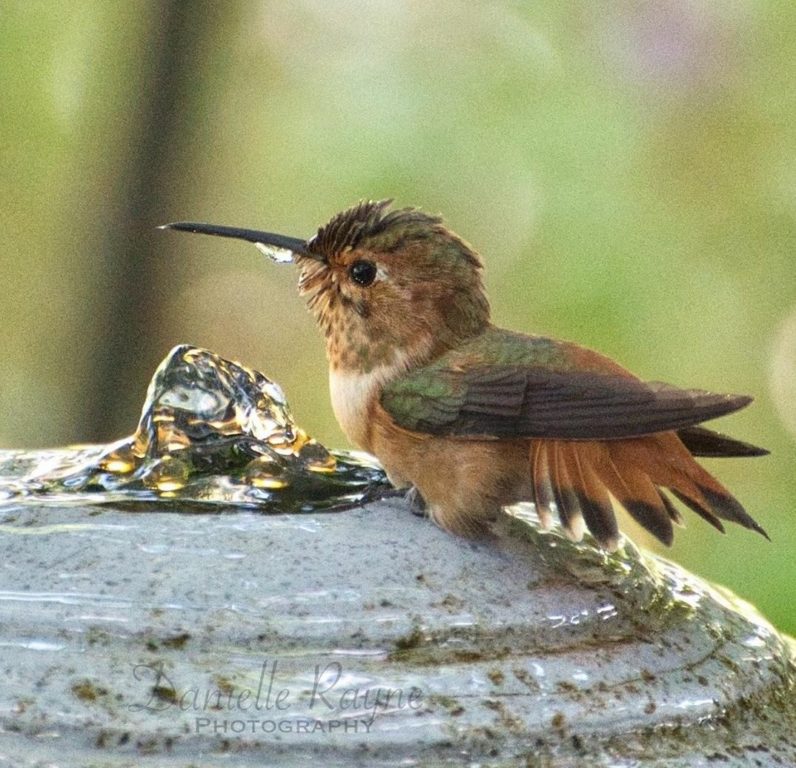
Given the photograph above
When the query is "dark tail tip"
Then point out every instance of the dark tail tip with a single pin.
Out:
(730, 509)
(656, 520)
(701, 441)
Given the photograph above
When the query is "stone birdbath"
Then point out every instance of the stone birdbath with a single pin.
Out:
(219, 589)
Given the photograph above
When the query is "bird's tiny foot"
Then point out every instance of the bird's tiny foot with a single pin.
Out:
(416, 502)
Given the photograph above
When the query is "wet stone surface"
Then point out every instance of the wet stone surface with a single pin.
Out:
(369, 637)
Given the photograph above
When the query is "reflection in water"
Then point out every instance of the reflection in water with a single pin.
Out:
(213, 432)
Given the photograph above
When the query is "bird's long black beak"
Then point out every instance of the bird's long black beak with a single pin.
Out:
(266, 240)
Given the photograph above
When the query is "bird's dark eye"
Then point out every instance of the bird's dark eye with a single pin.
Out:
(363, 272)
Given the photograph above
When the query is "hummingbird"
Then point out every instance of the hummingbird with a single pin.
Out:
(470, 417)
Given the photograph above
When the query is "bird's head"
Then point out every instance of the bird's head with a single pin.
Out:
(387, 287)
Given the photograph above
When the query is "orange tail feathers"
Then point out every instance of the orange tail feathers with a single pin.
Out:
(578, 478)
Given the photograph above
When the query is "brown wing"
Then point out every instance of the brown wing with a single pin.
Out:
(520, 401)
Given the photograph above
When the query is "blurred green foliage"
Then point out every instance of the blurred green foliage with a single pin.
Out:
(628, 171)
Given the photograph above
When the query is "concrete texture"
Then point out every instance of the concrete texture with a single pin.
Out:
(368, 637)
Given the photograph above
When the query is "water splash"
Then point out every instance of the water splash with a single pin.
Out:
(211, 431)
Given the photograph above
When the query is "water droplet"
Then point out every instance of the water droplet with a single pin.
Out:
(316, 458)
(168, 475)
(119, 462)
(265, 472)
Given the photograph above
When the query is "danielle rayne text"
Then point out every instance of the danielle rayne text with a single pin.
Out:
(330, 694)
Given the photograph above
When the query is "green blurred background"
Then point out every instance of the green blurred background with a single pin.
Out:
(628, 171)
